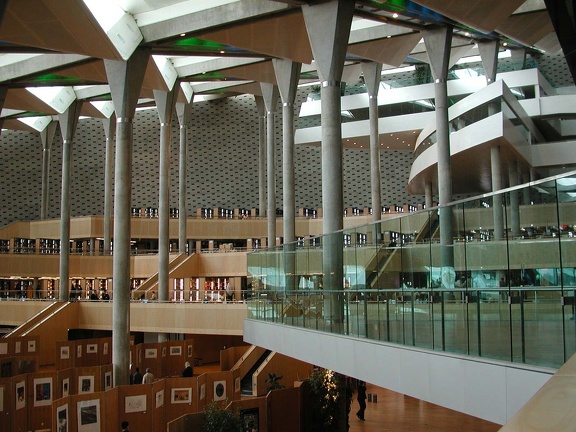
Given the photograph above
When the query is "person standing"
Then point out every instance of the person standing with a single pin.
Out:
(148, 377)
(137, 377)
(361, 387)
(188, 371)
(124, 426)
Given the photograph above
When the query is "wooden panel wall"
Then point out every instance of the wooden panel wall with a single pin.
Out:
(41, 393)
(7, 398)
(19, 408)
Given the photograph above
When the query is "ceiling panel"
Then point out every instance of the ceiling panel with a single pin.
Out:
(390, 51)
(22, 99)
(528, 28)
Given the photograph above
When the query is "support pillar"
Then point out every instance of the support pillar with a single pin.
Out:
(109, 130)
(270, 97)
(428, 201)
(47, 138)
(514, 200)
(184, 114)
(287, 76)
(438, 43)
(261, 155)
(68, 121)
(125, 79)
(372, 76)
(489, 55)
(498, 209)
(165, 102)
(328, 25)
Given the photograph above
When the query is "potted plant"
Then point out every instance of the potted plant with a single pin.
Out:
(221, 420)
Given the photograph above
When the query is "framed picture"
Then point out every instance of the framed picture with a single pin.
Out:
(219, 390)
(105, 348)
(85, 384)
(190, 351)
(202, 391)
(65, 387)
(42, 391)
(91, 348)
(89, 416)
(181, 395)
(151, 353)
(163, 351)
(20, 395)
(79, 351)
(135, 404)
(250, 420)
(31, 346)
(159, 398)
(3, 348)
(1, 398)
(176, 351)
(237, 385)
(62, 418)
(18, 347)
(108, 380)
(64, 352)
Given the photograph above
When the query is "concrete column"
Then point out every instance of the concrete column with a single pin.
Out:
(372, 76)
(68, 121)
(514, 199)
(184, 114)
(109, 130)
(165, 102)
(125, 79)
(270, 97)
(438, 43)
(526, 190)
(328, 25)
(261, 155)
(287, 76)
(428, 201)
(47, 138)
(498, 213)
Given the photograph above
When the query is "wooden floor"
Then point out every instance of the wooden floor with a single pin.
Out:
(399, 413)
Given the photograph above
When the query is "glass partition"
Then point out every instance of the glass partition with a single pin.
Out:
(504, 288)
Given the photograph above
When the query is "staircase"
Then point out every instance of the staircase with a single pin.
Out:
(151, 284)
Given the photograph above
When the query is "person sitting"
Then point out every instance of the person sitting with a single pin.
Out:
(187, 372)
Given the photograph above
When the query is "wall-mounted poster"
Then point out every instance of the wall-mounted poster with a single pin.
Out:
(202, 391)
(86, 384)
(163, 351)
(1, 398)
(250, 420)
(62, 418)
(189, 350)
(181, 395)
(91, 348)
(18, 347)
(89, 416)
(64, 352)
(20, 395)
(31, 346)
(151, 353)
(42, 391)
(219, 390)
(79, 351)
(107, 381)
(65, 387)
(3, 348)
(105, 348)
(237, 385)
(159, 398)
(135, 404)
(175, 350)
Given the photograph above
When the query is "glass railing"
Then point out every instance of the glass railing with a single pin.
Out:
(503, 287)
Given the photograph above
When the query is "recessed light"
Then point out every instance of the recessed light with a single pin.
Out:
(395, 15)
(182, 34)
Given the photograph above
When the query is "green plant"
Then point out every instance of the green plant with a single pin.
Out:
(274, 382)
(332, 398)
(221, 420)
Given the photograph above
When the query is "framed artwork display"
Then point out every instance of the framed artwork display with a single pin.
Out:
(31, 346)
(159, 398)
(108, 380)
(65, 387)
(85, 384)
(91, 348)
(135, 403)
(42, 392)
(181, 395)
(175, 350)
(88, 416)
(20, 395)
(62, 418)
(219, 390)
(64, 352)
(151, 353)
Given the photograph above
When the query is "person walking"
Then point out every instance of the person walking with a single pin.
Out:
(361, 387)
